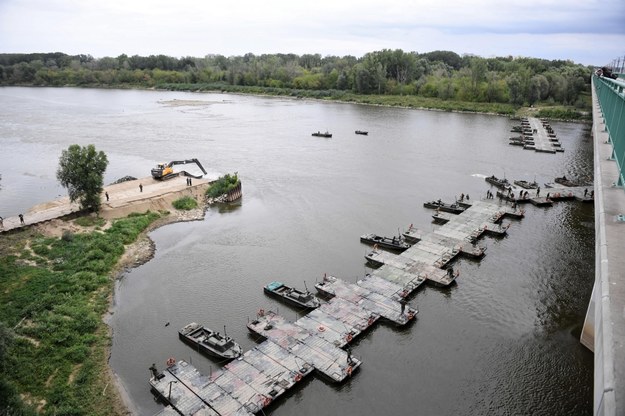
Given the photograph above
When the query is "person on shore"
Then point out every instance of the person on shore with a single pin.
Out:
(585, 192)
(190, 182)
(106, 194)
(21, 219)
(537, 192)
(140, 187)
(1, 222)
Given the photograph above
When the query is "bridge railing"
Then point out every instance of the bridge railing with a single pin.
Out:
(611, 95)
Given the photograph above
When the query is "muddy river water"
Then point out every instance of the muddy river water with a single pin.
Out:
(503, 341)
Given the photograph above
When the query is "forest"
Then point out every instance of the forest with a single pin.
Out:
(441, 75)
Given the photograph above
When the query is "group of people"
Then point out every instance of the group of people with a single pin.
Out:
(525, 194)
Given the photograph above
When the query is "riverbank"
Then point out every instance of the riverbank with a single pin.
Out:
(553, 112)
(65, 341)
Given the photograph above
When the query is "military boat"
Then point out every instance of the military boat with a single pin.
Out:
(499, 183)
(302, 299)
(209, 342)
(454, 208)
(320, 134)
(394, 243)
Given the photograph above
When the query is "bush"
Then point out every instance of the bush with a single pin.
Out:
(223, 185)
(562, 114)
(90, 221)
(185, 203)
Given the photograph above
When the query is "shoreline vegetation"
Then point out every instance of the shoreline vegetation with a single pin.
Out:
(438, 80)
(58, 283)
(58, 279)
(554, 112)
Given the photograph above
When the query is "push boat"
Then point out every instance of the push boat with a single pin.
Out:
(209, 342)
(441, 218)
(454, 208)
(412, 235)
(364, 133)
(320, 134)
(394, 243)
(526, 184)
(302, 299)
(499, 183)
(566, 182)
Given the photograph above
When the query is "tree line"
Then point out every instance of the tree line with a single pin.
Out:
(438, 74)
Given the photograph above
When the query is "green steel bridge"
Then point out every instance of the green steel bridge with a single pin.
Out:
(604, 326)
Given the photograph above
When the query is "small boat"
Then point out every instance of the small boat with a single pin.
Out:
(412, 235)
(320, 134)
(364, 133)
(395, 243)
(499, 183)
(374, 258)
(209, 342)
(441, 218)
(526, 184)
(296, 297)
(473, 251)
(442, 206)
(566, 182)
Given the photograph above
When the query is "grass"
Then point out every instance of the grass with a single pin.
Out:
(55, 291)
(90, 221)
(185, 203)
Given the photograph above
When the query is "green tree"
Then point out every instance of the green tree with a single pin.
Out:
(81, 171)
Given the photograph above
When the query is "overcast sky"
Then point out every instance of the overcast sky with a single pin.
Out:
(590, 32)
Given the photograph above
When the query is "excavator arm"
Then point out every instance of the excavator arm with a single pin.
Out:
(165, 171)
(184, 162)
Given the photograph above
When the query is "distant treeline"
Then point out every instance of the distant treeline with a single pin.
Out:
(440, 74)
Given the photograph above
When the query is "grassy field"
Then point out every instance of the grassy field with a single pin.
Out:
(54, 294)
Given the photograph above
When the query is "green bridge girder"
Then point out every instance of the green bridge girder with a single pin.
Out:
(611, 95)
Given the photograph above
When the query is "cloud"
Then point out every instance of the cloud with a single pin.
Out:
(329, 27)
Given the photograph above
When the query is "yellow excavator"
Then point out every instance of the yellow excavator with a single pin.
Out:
(164, 171)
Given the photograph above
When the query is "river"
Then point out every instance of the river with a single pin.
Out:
(503, 341)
